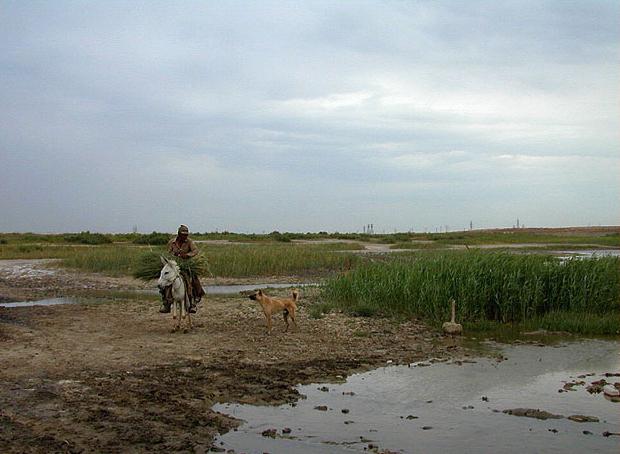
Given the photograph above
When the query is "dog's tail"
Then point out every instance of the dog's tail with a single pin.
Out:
(295, 295)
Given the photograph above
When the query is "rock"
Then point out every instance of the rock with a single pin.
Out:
(596, 386)
(324, 389)
(412, 417)
(349, 422)
(348, 393)
(345, 410)
(321, 407)
(427, 427)
(271, 433)
(532, 413)
(583, 418)
(286, 430)
(555, 431)
(587, 432)
(485, 398)
(611, 391)
(609, 434)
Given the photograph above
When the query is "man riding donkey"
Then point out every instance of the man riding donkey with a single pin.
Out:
(183, 248)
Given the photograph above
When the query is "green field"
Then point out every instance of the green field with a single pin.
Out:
(572, 295)
(601, 236)
(224, 260)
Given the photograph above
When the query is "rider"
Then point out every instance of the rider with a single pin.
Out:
(183, 248)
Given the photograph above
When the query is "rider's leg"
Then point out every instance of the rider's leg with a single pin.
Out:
(166, 299)
(187, 280)
(197, 288)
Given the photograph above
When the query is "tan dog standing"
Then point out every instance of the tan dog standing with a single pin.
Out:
(274, 305)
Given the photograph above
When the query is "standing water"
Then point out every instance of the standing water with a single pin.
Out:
(447, 407)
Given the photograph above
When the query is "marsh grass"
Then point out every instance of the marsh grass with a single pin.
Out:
(227, 260)
(278, 259)
(499, 287)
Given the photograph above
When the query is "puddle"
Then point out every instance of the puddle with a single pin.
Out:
(211, 290)
(231, 289)
(45, 302)
(589, 253)
(446, 407)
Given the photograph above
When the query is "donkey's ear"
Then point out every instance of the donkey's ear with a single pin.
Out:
(260, 292)
(163, 260)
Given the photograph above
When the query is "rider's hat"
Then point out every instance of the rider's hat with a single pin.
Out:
(183, 229)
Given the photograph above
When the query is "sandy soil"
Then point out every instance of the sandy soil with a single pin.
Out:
(111, 377)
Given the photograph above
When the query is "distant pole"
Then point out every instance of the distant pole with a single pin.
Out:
(471, 225)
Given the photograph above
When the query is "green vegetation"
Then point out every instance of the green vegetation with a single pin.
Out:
(224, 260)
(87, 238)
(276, 260)
(498, 287)
(601, 236)
(111, 260)
(149, 265)
(154, 238)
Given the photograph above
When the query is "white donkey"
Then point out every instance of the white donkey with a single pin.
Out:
(171, 275)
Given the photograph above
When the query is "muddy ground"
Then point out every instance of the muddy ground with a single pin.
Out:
(111, 377)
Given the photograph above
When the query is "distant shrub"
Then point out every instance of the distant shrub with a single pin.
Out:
(3, 241)
(281, 237)
(87, 238)
(153, 238)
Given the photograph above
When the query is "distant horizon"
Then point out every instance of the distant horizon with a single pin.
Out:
(330, 232)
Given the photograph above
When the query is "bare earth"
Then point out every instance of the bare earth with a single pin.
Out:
(111, 377)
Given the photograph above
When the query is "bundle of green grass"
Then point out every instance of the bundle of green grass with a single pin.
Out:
(149, 266)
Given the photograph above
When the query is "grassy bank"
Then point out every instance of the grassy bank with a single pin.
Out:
(225, 260)
(496, 287)
(602, 236)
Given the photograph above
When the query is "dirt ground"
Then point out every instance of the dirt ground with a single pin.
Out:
(111, 377)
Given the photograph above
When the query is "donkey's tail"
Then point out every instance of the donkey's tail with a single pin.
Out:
(295, 295)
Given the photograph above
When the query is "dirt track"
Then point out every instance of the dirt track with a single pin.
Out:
(110, 377)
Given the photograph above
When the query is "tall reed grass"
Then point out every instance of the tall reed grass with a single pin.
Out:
(487, 286)
(226, 260)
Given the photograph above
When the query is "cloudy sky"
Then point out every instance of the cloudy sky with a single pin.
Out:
(308, 115)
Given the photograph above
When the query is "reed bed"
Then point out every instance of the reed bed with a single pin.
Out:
(278, 260)
(499, 287)
(274, 259)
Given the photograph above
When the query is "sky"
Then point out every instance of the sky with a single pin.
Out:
(305, 116)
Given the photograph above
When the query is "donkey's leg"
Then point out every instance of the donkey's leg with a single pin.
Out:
(179, 310)
(189, 321)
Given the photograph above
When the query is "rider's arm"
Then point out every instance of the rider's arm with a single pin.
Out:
(193, 250)
(170, 246)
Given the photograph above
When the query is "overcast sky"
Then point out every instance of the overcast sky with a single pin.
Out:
(308, 115)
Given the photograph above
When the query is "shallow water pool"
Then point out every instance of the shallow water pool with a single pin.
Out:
(447, 407)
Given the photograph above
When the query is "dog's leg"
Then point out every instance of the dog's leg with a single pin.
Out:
(268, 315)
(285, 314)
(292, 314)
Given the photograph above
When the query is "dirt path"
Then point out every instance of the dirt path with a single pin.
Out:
(110, 377)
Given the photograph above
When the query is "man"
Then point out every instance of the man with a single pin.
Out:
(183, 248)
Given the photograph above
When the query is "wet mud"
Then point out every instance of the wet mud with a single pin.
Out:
(110, 377)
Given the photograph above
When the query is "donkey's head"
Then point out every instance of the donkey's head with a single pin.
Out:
(168, 273)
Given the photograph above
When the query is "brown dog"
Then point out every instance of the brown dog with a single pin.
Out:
(274, 305)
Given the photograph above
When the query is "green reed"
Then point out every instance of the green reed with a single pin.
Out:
(486, 286)
(224, 260)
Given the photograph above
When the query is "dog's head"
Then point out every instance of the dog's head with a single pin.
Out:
(257, 296)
